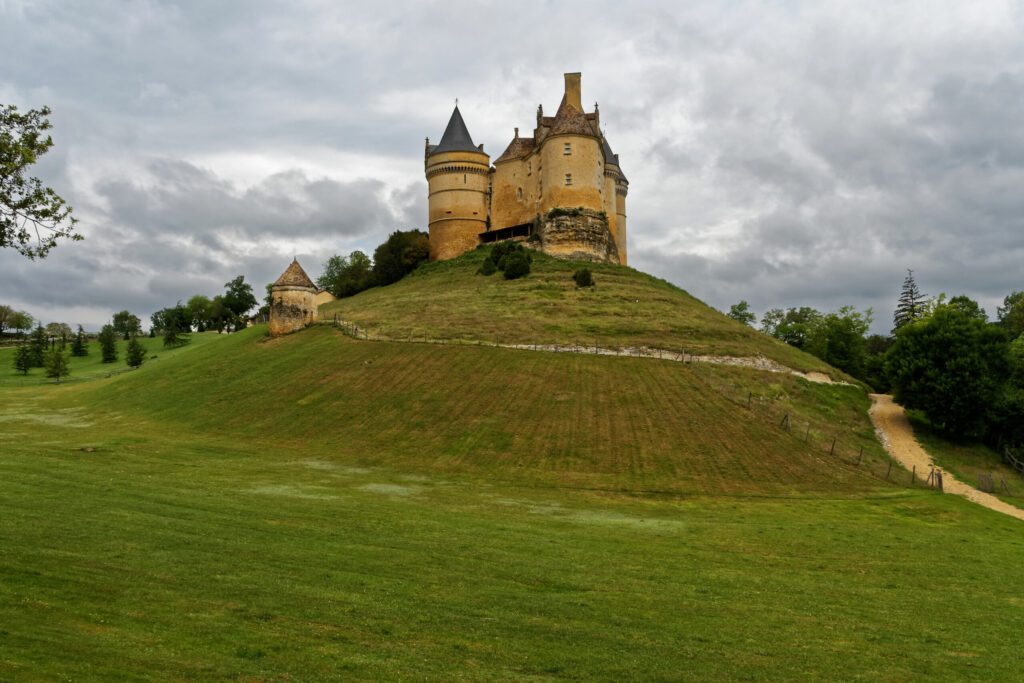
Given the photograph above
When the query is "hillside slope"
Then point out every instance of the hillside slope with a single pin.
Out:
(448, 300)
(611, 423)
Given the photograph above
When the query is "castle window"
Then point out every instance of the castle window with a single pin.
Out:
(568, 178)
(519, 194)
(567, 148)
(463, 178)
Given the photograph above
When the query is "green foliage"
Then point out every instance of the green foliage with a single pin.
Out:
(911, 305)
(21, 321)
(37, 344)
(238, 299)
(517, 265)
(107, 339)
(875, 349)
(56, 364)
(176, 324)
(6, 313)
(126, 324)
(135, 354)
(80, 344)
(32, 216)
(950, 366)
(1011, 314)
(741, 313)
(560, 211)
(487, 267)
(793, 326)
(200, 309)
(838, 339)
(399, 255)
(346, 275)
(583, 278)
(23, 359)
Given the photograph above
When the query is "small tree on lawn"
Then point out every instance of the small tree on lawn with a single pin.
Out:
(37, 343)
(136, 353)
(583, 278)
(80, 344)
(57, 364)
(108, 343)
(741, 313)
(23, 359)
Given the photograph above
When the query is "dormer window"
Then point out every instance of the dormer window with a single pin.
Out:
(567, 149)
(568, 178)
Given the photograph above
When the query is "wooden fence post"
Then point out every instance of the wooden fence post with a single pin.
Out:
(832, 451)
(888, 471)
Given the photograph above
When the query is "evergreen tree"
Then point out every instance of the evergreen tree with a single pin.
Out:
(108, 343)
(80, 344)
(57, 364)
(135, 354)
(911, 304)
(37, 343)
(23, 359)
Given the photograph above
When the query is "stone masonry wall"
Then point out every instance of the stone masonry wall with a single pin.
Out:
(578, 234)
(291, 309)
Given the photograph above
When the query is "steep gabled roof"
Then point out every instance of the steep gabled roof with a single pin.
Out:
(294, 276)
(517, 149)
(456, 136)
(571, 120)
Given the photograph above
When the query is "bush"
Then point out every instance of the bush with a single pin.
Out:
(517, 264)
(56, 364)
(136, 354)
(487, 267)
(583, 278)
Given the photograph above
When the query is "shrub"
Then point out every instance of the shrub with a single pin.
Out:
(56, 364)
(583, 278)
(517, 264)
(487, 267)
(136, 354)
(108, 343)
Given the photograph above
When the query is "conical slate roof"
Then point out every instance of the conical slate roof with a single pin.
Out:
(294, 276)
(456, 136)
(609, 156)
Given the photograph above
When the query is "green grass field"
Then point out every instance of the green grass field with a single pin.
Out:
(448, 300)
(317, 508)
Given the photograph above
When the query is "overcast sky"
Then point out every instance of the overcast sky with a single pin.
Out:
(784, 153)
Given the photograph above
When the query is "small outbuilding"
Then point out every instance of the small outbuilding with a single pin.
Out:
(292, 301)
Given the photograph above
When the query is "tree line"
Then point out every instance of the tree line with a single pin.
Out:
(943, 356)
(396, 257)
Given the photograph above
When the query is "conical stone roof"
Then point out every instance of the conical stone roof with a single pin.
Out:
(456, 136)
(294, 276)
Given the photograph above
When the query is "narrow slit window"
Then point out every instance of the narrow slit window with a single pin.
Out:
(568, 178)
(567, 149)
(519, 194)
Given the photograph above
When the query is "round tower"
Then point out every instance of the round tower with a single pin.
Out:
(292, 301)
(571, 158)
(615, 188)
(457, 178)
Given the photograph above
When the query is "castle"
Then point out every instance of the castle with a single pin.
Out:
(561, 188)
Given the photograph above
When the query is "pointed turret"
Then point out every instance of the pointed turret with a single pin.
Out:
(294, 276)
(456, 136)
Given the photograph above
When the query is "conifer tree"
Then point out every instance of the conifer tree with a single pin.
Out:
(80, 344)
(57, 364)
(37, 343)
(23, 359)
(108, 343)
(911, 304)
(135, 354)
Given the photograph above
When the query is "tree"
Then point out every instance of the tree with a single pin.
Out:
(23, 359)
(199, 312)
(127, 324)
(58, 332)
(80, 344)
(6, 314)
(175, 324)
(345, 276)
(57, 364)
(220, 316)
(239, 299)
(838, 339)
(793, 326)
(108, 343)
(399, 255)
(741, 313)
(32, 216)
(911, 304)
(951, 366)
(21, 321)
(37, 344)
(136, 353)
(1011, 314)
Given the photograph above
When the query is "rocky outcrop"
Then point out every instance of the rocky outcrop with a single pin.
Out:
(577, 234)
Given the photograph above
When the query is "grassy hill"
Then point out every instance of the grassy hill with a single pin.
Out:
(319, 508)
(448, 300)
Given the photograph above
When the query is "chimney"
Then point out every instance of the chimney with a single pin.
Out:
(573, 97)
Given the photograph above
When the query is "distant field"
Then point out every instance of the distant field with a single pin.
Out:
(92, 366)
(447, 300)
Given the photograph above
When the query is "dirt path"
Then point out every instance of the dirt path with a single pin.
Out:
(898, 437)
